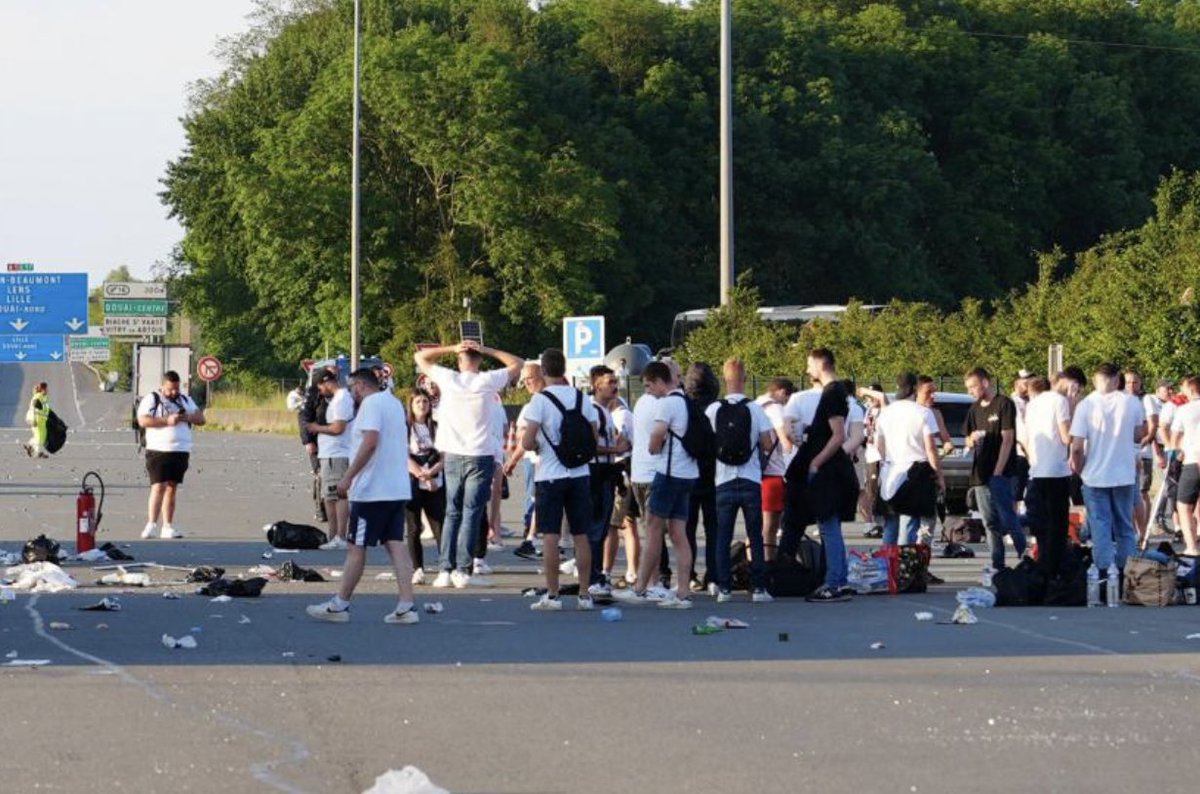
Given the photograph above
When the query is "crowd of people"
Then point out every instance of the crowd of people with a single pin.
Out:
(697, 450)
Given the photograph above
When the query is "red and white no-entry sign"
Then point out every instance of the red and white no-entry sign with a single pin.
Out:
(209, 369)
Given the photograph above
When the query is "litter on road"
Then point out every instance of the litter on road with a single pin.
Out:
(408, 780)
(186, 641)
(39, 577)
(103, 605)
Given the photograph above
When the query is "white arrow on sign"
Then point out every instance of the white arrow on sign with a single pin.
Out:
(20, 356)
(56, 355)
(74, 323)
(19, 324)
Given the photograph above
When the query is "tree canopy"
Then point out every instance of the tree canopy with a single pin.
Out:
(564, 160)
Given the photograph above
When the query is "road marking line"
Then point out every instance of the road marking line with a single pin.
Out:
(75, 394)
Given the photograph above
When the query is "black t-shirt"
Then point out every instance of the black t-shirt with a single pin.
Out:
(997, 416)
(834, 402)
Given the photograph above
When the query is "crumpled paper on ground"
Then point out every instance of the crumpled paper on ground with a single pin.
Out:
(40, 577)
(408, 780)
(963, 616)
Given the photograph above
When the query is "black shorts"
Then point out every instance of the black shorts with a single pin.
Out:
(372, 523)
(1189, 484)
(570, 497)
(166, 466)
(1145, 474)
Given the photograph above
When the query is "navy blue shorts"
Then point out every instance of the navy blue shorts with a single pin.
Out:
(670, 497)
(372, 523)
(570, 497)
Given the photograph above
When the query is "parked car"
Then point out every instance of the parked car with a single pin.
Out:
(956, 466)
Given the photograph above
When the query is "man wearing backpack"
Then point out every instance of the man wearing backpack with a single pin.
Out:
(676, 439)
(605, 472)
(168, 416)
(561, 424)
(743, 436)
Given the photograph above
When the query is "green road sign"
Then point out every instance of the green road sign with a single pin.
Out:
(95, 342)
(135, 308)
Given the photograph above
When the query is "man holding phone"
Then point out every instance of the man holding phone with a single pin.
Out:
(991, 431)
(167, 415)
(465, 441)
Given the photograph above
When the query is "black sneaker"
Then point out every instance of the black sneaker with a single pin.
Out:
(827, 595)
(846, 592)
(527, 551)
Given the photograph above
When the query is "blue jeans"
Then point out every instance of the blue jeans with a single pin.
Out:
(891, 530)
(1110, 518)
(744, 495)
(835, 551)
(996, 503)
(468, 491)
(527, 471)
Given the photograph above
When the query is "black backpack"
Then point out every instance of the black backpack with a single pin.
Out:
(734, 446)
(698, 440)
(286, 535)
(577, 437)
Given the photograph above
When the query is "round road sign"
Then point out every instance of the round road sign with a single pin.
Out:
(209, 369)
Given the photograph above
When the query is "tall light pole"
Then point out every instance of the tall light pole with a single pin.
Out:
(355, 293)
(726, 150)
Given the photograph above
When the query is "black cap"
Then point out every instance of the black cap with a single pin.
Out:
(327, 376)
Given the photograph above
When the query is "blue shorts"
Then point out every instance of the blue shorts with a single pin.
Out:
(670, 497)
(372, 523)
(570, 497)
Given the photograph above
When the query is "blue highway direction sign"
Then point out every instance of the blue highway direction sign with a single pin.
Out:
(33, 349)
(43, 303)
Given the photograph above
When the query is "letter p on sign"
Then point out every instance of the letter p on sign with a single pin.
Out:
(583, 340)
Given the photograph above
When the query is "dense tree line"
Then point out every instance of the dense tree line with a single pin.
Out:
(564, 160)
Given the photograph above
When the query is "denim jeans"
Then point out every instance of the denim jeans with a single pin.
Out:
(891, 530)
(1110, 518)
(468, 491)
(835, 551)
(995, 502)
(745, 495)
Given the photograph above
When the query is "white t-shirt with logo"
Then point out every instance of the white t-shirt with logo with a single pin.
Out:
(778, 462)
(902, 426)
(759, 423)
(1107, 422)
(385, 478)
(674, 461)
(1048, 455)
(1187, 422)
(340, 409)
(547, 415)
(464, 411)
(168, 439)
(644, 465)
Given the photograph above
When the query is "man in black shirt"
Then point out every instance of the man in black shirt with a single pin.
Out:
(991, 431)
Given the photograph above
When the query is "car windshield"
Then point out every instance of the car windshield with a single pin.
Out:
(955, 414)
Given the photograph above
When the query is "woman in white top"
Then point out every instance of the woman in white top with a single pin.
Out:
(425, 466)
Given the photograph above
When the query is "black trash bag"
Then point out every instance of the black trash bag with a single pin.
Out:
(1023, 586)
(291, 572)
(1069, 587)
(799, 577)
(56, 433)
(286, 535)
(40, 549)
(957, 551)
(234, 588)
(116, 554)
(205, 573)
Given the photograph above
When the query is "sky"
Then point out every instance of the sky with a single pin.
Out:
(91, 93)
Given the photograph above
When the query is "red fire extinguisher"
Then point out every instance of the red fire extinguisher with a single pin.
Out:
(88, 513)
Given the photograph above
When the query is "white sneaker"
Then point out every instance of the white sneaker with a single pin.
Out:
(584, 604)
(406, 618)
(495, 545)
(761, 597)
(329, 613)
(170, 533)
(443, 579)
(675, 602)
(546, 604)
(713, 589)
(335, 544)
(475, 580)
(482, 568)
(658, 593)
(460, 580)
(569, 568)
(418, 576)
(150, 531)
(630, 596)
(602, 590)
(724, 596)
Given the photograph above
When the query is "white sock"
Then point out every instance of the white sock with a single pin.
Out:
(404, 606)
(339, 604)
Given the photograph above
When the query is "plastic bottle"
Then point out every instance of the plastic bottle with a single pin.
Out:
(1113, 591)
(611, 615)
(1093, 586)
(986, 579)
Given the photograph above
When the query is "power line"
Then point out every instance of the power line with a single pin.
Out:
(1117, 44)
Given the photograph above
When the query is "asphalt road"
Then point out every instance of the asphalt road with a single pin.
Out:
(490, 697)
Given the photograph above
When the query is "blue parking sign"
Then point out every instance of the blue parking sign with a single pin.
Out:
(583, 338)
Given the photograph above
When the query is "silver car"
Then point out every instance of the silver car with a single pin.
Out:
(956, 465)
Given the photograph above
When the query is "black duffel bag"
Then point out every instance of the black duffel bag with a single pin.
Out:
(286, 535)
(1023, 586)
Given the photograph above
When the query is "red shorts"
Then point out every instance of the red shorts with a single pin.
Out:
(773, 490)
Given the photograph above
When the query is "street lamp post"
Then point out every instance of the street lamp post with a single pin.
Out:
(726, 151)
(355, 292)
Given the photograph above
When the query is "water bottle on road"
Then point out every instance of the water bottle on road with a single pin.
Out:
(1093, 586)
(1113, 591)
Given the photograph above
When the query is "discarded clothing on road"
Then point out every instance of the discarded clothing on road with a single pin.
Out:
(234, 588)
(40, 577)
(205, 573)
(41, 549)
(286, 535)
(291, 572)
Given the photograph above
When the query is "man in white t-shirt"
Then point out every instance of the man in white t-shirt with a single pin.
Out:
(622, 524)
(642, 467)
(605, 474)
(465, 440)
(521, 458)
(333, 454)
(167, 416)
(1185, 440)
(774, 490)
(563, 490)
(1048, 445)
(1152, 408)
(744, 436)
(675, 475)
(377, 485)
(905, 436)
(1163, 505)
(1106, 430)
